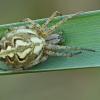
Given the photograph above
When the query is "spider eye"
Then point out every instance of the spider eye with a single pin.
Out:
(59, 37)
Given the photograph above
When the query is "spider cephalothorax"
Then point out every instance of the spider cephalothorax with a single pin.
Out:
(25, 46)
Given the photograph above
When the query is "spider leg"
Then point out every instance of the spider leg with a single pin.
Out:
(54, 53)
(10, 70)
(9, 29)
(34, 24)
(36, 62)
(60, 32)
(2, 69)
(58, 47)
(49, 19)
(49, 30)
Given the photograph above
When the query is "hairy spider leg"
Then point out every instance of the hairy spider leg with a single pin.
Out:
(54, 53)
(49, 19)
(58, 47)
(44, 58)
(34, 25)
(52, 28)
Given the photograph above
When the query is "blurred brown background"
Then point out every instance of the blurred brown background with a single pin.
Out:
(80, 84)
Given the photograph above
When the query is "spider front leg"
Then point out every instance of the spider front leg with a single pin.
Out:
(58, 47)
(49, 19)
(34, 24)
(51, 29)
(54, 53)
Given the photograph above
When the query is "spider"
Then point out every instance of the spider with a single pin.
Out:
(25, 46)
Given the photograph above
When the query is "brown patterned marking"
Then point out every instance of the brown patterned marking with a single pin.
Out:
(11, 59)
(6, 59)
(7, 44)
(1, 47)
(2, 59)
(16, 40)
(21, 59)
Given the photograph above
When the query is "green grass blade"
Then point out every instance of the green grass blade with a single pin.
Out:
(81, 31)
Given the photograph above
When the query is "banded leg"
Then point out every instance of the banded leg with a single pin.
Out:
(49, 19)
(54, 53)
(49, 30)
(36, 62)
(58, 47)
(9, 29)
(34, 24)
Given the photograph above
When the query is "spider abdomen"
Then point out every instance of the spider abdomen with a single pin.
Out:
(21, 47)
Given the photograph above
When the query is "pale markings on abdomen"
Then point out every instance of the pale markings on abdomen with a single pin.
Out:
(37, 49)
(5, 53)
(24, 53)
(21, 43)
(36, 40)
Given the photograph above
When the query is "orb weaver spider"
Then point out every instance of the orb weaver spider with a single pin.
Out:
(25, 46)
